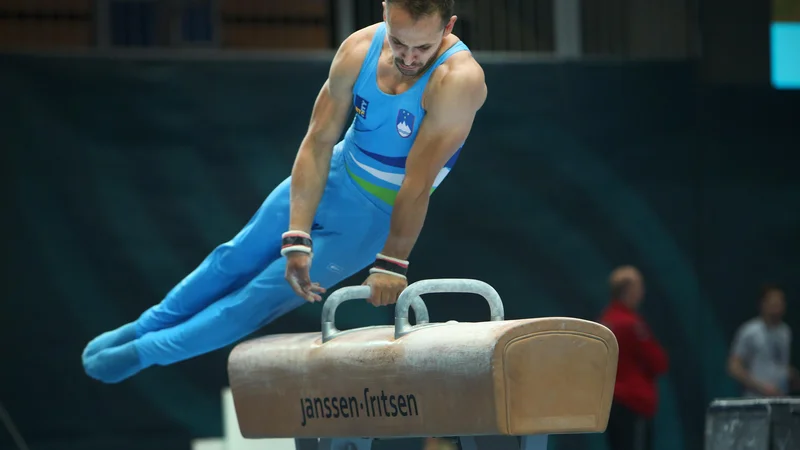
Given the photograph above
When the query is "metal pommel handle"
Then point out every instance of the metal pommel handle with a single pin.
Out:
(329, 330)
(445, 285)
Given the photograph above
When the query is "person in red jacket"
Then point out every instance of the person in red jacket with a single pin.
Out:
(641, 361)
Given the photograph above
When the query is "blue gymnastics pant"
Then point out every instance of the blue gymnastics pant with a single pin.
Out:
(240, 285)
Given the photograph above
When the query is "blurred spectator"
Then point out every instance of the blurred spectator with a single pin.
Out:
(641, 361)
(759, 357)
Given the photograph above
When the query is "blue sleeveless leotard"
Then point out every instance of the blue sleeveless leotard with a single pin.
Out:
(385, 126)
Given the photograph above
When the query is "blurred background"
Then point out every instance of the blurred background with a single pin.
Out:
(139, 134)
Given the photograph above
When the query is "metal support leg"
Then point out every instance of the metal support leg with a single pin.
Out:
(306, 444)
(468, 443)
(345, 444)
(535, 442)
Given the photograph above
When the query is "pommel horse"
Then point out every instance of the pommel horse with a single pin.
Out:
(521, 380)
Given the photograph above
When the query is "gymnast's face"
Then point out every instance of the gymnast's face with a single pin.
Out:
(414, 43)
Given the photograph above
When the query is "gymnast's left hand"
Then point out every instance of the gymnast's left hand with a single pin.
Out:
(384, 289)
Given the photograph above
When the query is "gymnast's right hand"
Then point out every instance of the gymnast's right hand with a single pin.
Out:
(298, 265)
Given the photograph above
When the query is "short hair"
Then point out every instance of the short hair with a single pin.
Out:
(621, 280)
(421, 8)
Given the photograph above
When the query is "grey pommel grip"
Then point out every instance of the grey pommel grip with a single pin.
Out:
(329, 330)
(444, 285)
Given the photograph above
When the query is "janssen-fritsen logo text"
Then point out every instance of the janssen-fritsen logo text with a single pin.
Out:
(352, 407)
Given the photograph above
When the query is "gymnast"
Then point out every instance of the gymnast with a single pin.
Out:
(415, 89)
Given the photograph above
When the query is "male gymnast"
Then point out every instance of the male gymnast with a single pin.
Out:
(415, 89)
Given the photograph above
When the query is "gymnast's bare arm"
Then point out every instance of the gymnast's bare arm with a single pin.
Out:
(455, 94)
(312, 163)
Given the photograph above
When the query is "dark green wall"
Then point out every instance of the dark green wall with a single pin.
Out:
(120, 175)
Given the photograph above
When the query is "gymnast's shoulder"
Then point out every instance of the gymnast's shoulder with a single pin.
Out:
(458, 82)
(352, 51)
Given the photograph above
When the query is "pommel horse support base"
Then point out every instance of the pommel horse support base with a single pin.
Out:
(528, 378)
(771, 423)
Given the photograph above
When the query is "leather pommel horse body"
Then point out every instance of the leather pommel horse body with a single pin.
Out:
(522, 377)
